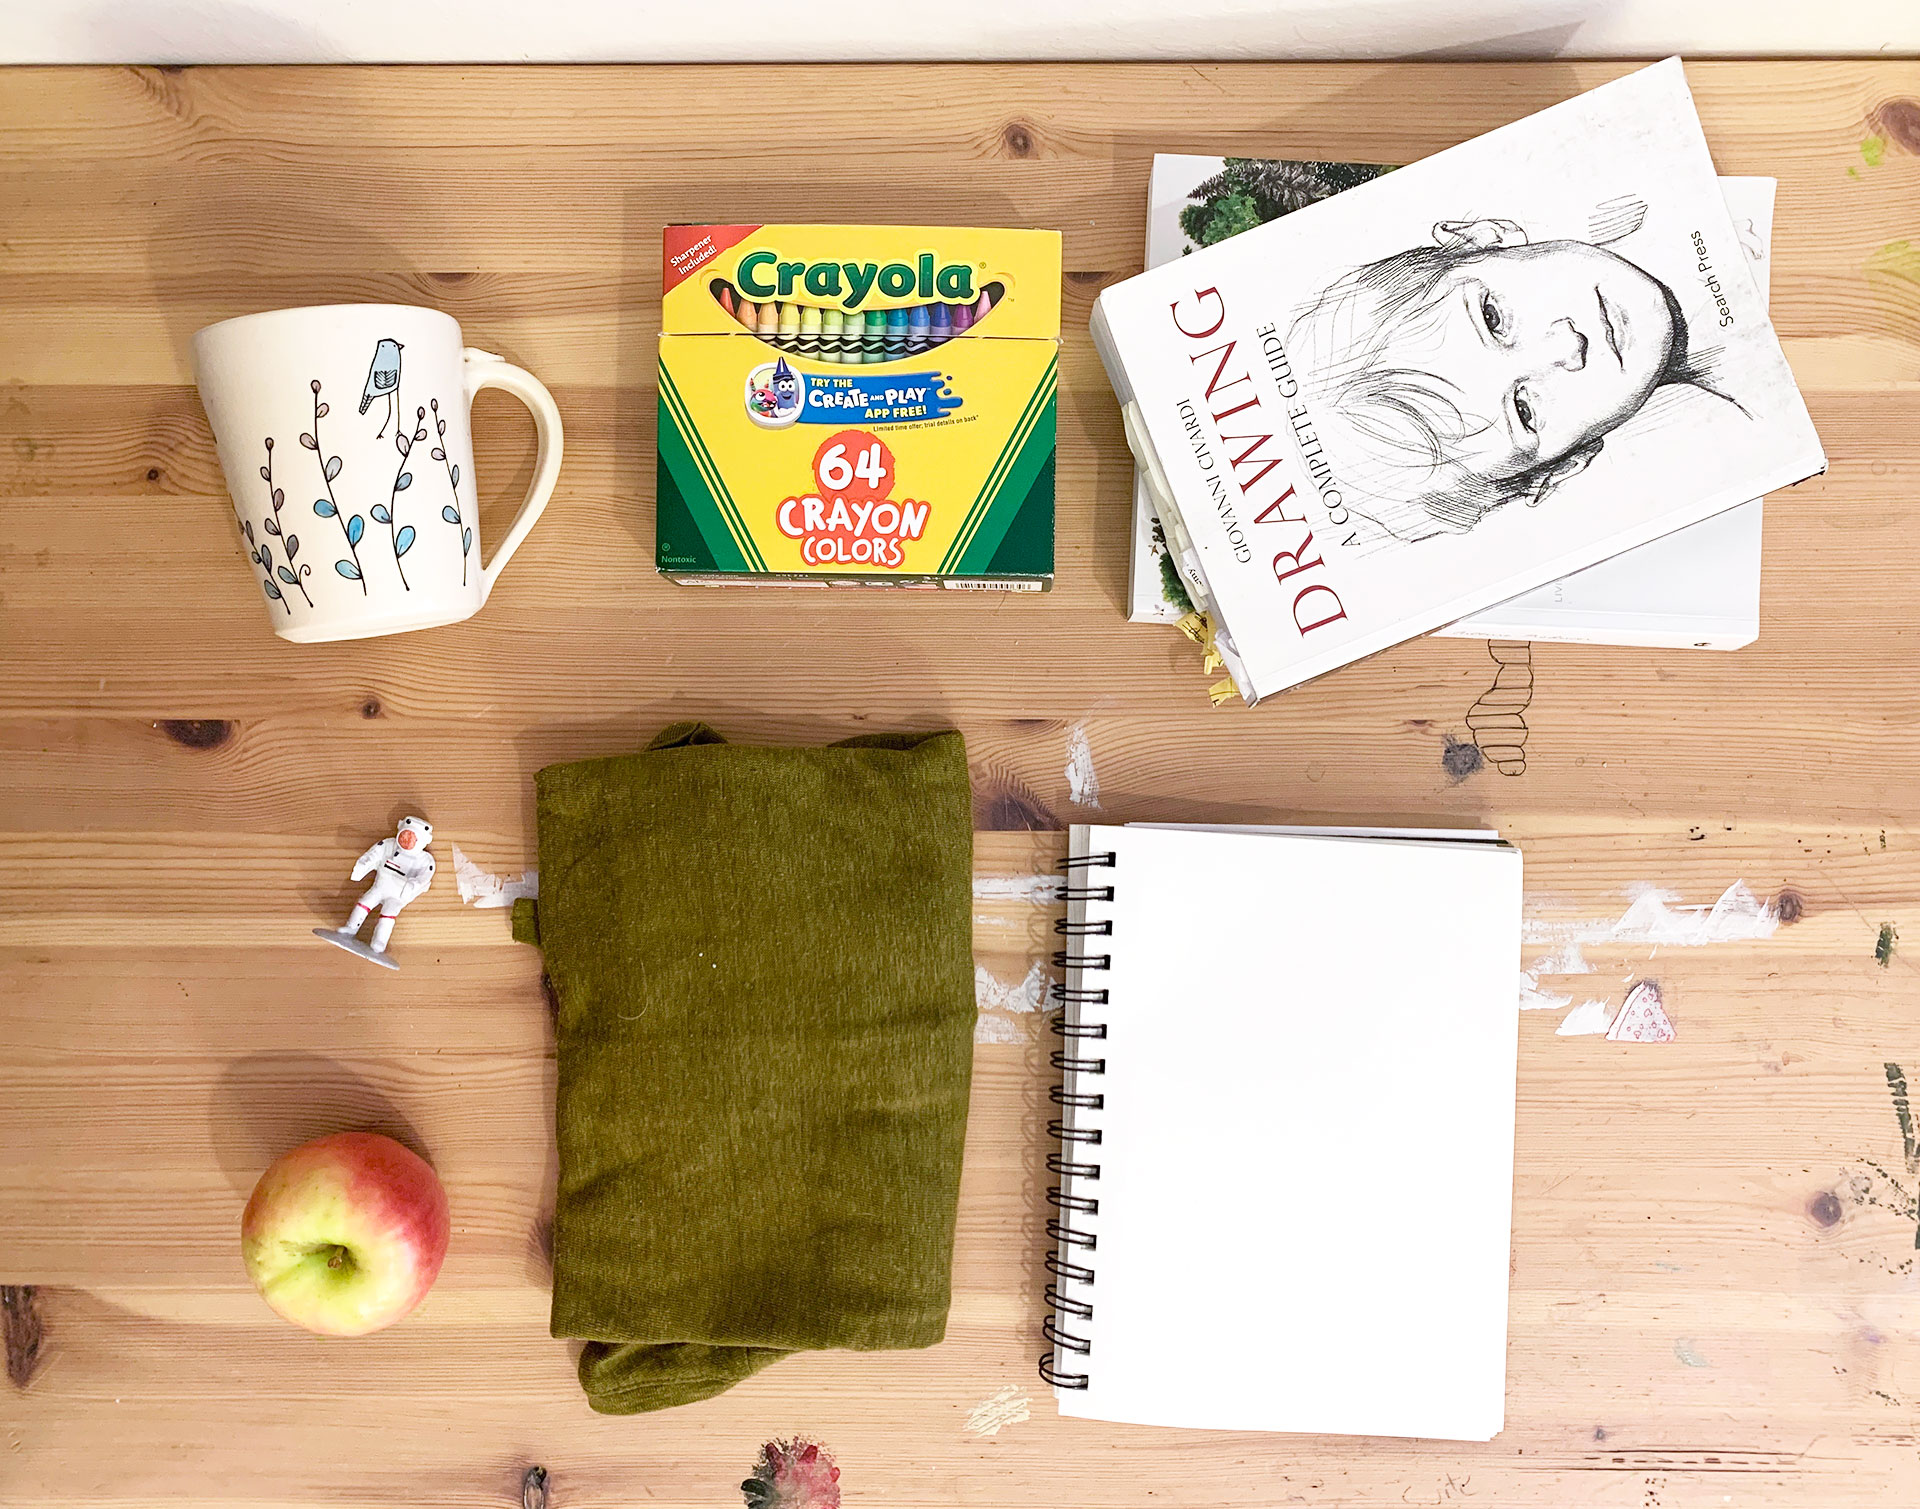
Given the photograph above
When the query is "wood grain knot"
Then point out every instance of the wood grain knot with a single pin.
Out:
(371, 708)
(452, 279)
(153, 474)
(1899, 122)
(24, 1331)
(1088, 279)
(1789, 906)
(1824, 1209)
(1007, 809)
(197, 733)
(533, 1489)
(1018, 140)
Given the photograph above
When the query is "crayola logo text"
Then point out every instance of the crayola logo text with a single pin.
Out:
(763, 275)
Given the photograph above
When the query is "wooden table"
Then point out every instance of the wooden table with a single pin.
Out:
(1714, 1288)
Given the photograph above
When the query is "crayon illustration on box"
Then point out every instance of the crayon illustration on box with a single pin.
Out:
(858, 405)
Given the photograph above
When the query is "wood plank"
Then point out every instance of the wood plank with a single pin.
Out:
(1714, 1293)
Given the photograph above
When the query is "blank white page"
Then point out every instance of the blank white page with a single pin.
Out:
(1306, 1140)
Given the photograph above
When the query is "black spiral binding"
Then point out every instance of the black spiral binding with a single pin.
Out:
(1073, 1058)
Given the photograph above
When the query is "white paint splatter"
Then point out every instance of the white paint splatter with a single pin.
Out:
(1008, 1013)
(1643, 1018)
(1738, 916)
(1039, 889)
(1588, 1019)
(990, 994)
(1533, 998)
(1083, 786)
(1565, 960)
(991, 1027)
(993, 1414)
(480, 887)
(1689, 1356)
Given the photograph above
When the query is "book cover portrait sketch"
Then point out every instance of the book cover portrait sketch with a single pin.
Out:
(1449, 385)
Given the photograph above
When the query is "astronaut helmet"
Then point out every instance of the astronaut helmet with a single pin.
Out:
(414, 833)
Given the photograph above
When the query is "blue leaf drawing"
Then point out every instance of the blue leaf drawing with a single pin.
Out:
(285, 576)
(266, 555)
(272, 591)
(455, 474)
(348, 570)
(404, 541)
(272, 526)
(323, 507)
(402, 482)
(380, 515)
(450, 514)
(354, 530)
(466, 541)
(333, 467)
(293, 546)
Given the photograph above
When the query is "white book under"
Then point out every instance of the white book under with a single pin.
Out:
(1286, 1162)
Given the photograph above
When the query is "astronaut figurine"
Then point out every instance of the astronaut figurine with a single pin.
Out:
(402, 869)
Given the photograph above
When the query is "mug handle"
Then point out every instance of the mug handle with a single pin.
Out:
(485, 370)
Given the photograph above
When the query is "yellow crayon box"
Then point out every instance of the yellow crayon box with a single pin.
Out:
(858, 404)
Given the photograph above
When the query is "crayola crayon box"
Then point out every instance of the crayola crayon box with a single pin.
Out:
(858, 404)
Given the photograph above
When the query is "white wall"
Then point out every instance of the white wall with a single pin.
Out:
(307, 31)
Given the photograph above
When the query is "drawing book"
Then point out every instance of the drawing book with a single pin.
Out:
(1698, 588)
(1453, 384)
(1253, 1023)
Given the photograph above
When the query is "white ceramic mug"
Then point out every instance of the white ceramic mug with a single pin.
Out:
(345, 434)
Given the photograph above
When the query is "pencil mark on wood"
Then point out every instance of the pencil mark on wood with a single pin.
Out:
(1498, 719)
(197, 733)
(1789, 906)
(1899, 122)
(1824, 1209)
(1903, 1113)
(24, 1330)
(1461, 760)
(1883, 945)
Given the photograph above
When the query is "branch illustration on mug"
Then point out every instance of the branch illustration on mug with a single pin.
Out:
(269, 374)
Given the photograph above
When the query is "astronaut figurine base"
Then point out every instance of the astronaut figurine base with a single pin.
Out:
(401, 869)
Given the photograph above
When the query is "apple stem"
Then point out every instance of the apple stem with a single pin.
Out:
(339, 1257)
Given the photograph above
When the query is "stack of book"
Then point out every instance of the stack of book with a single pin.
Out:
(1525, 388)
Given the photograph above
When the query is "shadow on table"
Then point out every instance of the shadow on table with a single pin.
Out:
(267, 1104)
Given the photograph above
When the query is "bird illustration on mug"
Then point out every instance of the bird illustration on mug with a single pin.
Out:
(383, 380)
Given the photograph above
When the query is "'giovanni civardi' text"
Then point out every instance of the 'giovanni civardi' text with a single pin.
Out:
(1252, 464)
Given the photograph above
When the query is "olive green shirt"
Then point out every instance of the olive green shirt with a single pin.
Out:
(762, 960)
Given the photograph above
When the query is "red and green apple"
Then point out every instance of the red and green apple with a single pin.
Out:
(346, 1234)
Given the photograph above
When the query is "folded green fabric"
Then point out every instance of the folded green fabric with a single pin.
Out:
(763, 964)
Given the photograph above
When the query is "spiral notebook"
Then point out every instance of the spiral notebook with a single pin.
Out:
(1286, 1130)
